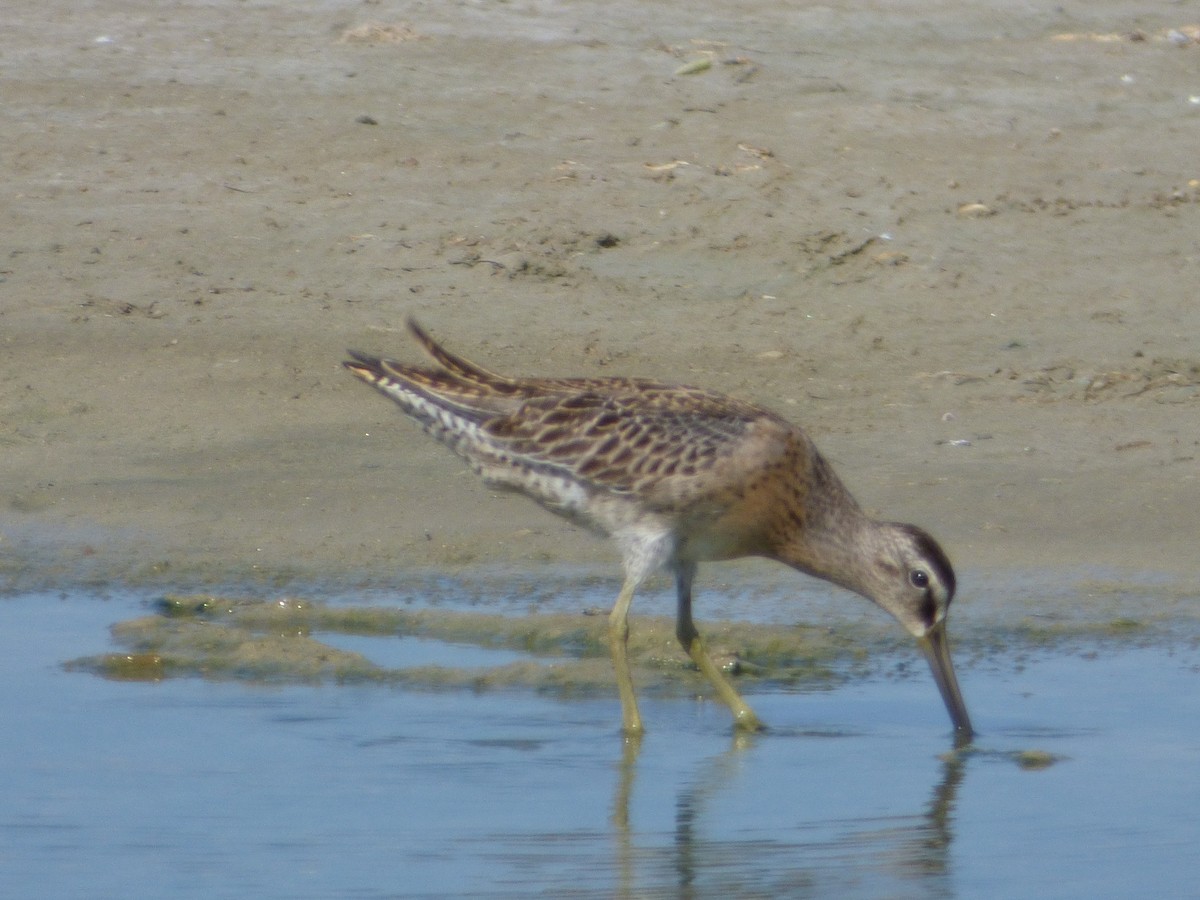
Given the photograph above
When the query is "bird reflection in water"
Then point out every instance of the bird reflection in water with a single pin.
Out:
(900, 850)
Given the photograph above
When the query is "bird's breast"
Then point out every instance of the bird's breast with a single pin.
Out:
(727, 532)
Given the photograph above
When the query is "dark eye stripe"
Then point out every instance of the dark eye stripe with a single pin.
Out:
(928, 609)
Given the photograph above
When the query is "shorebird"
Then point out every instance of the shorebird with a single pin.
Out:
(676, 476)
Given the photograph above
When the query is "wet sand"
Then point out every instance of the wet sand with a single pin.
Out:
(957, 242)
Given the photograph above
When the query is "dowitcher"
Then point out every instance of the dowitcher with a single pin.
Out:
(676, 476)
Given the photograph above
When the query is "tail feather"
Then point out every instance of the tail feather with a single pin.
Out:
(454, 403)
(463, 369)
(419, 392)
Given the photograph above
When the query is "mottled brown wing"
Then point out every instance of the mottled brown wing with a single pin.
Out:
(617, 434)
(628, 440)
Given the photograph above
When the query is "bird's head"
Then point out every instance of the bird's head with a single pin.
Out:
(911, 577)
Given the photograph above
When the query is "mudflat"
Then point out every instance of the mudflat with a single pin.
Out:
(959, 243)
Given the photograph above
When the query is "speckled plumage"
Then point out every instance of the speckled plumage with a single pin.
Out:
(676, 475)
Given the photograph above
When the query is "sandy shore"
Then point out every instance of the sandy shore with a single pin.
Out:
(959, 243)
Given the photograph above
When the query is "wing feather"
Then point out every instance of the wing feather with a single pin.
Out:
(626, 441)
(621, 435)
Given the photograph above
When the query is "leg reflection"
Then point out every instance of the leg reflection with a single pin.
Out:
(626, 774)
(714, 774)
(692, 848)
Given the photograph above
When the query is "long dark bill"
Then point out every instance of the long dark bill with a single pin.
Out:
(937, 651)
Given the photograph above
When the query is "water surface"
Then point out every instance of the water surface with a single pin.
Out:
(194, 787)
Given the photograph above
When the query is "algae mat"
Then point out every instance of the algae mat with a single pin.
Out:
(292, 640)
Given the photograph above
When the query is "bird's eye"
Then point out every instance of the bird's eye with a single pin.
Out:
(919, 578)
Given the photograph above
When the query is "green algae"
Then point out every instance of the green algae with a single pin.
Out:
(1053, 633)
(131, 666)
(566, 653)
(1035, 760)
(1029, 760)
(227, 638)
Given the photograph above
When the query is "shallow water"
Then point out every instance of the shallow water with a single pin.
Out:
(190, 787)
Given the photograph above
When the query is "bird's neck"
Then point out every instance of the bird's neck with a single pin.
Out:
(836, 550)
(836, 539)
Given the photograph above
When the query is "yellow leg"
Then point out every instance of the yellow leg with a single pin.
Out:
(618, 640)
(744, 718)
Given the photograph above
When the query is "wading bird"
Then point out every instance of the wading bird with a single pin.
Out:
(676, 476)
